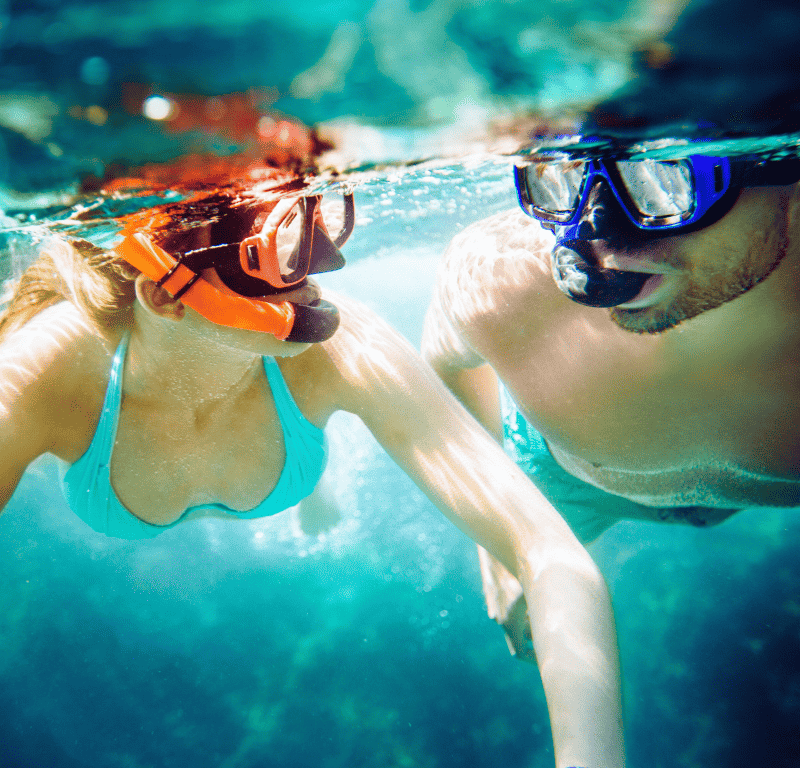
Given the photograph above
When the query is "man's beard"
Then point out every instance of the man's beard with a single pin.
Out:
(697, 299)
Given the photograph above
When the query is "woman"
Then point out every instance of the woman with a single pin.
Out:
(190, 372)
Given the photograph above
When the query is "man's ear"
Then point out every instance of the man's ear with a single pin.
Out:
(157, 300)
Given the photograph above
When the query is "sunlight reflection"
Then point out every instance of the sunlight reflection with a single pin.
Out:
(364, 348)
(49, 333)
(500, 253)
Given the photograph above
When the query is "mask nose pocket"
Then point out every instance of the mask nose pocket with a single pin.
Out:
(603, 217)
(325, 256)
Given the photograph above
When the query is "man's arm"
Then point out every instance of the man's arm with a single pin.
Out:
(487, 275)
(463, 371)
(478, 390)
(476, 385)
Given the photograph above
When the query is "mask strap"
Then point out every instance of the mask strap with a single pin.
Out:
(189, 283)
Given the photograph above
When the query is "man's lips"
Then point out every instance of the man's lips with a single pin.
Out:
(628, 261)
(634, 264)
(652, 292)
(655, 289)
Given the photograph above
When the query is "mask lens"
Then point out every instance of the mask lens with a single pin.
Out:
(280, 254)
(554, 188)
(659, 190)
(287, 242)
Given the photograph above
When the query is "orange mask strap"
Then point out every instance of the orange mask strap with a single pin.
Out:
(222, 307)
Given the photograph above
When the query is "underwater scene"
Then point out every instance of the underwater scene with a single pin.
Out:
(361, 640)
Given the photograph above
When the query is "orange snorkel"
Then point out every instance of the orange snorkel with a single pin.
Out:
(206, 279)
(214, 302)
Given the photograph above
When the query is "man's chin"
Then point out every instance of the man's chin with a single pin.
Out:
(666, 315)
(650, 320)
(663, 308)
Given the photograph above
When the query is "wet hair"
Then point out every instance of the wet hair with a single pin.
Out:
(218, 210)
(723, 69)
(96, 281)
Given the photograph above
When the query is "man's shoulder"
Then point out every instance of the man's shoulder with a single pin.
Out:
(491, 275)
(504, 234)
(504, 252)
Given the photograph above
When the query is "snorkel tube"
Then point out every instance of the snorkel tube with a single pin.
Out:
(214, 302)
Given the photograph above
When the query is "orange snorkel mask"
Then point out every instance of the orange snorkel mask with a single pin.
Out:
(224, 282)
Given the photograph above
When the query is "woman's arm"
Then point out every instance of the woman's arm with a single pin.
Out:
(466, 474)
(45, 369)
(23, 431)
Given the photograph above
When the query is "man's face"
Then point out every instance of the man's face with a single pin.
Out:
(697, 271)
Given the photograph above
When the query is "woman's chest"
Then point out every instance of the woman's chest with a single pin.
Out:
(163, 463)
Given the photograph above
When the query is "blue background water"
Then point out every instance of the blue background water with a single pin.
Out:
(249, 644)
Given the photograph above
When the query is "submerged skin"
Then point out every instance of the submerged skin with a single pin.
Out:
(690, 401)
(198, 424)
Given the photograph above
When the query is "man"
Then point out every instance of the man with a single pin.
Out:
(634, 340)
(677, 403)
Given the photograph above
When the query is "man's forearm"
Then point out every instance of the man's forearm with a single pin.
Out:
(478, 391)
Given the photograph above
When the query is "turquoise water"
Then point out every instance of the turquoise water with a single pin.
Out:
(242, 645)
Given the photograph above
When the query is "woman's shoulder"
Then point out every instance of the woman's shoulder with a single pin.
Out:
(366, 354)
(52, 371)
(60, 340)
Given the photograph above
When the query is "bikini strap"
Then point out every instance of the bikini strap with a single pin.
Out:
(109, 417)
(289, 413)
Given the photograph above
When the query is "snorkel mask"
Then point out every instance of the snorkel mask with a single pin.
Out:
(658, 199)
(721, 72)
(226, 282)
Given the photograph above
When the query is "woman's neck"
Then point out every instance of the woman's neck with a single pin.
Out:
(172, 364)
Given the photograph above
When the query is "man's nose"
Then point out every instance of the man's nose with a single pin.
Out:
(602, 215)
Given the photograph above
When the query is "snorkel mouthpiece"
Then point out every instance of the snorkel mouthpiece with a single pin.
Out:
(590, 284)
(314, 322)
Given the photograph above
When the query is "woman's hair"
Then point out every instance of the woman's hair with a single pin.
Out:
(96, 281)
(101, 284)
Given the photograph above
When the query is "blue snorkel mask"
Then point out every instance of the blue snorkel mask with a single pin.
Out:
(659, 198)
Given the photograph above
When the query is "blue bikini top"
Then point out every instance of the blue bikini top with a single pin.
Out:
(87, 482)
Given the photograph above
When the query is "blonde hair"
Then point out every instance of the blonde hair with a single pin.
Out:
(96, 281)
(101, 284)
